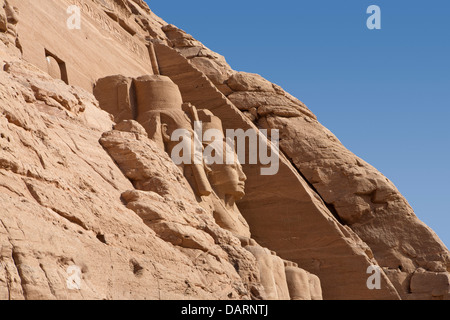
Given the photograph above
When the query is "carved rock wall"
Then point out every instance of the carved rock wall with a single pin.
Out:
(116, 211)
(101, 47)
(61, 205)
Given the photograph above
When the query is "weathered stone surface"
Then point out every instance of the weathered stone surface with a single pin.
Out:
(213, 70)
(280, 277)
(212, 64)
(9, 19)
(270, 103)
(115, 94)
(302, 285)
(75, 192)
(363, 198)
(298, 282)
(130, 126)
(3, 18)
(436, 283)
(267, 270)
(165, 201)
(243, 81)
(315, 288)
(102, 47)
(61, 206)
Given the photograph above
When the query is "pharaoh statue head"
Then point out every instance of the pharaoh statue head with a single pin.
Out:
(160, 112)
(159, 108)
(224, 170)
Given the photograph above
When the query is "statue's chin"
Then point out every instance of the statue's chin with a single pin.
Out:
(238, 195)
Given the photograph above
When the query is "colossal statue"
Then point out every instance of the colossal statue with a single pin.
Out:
(216, 176)
(265, 265)
(227, 178)
(280, 277)
(271, 270)
(302, 284)
(156, 103)
(159, 110)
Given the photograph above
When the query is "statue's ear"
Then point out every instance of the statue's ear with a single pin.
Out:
(154, 130)
(165, 132)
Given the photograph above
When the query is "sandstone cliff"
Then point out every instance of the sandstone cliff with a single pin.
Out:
(85, 180)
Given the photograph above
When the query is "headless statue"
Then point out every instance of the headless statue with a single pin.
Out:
(302, 284)
(271, 270)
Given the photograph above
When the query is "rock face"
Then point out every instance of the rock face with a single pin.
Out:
(63, 204)
(8, 25)
(95, 207)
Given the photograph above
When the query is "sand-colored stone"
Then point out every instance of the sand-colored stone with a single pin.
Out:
(280, 277)
(267, 270)
(436, 283)
(61, 196)
(242, 81)
(363, 198)
(159, 183)
(116, 95)
(315, 288)
(302, 284)
(87, 180)
(298, 282)
(227, 180)
(158, 107)
(104, 46)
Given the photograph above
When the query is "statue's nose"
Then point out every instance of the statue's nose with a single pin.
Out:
(242, 176)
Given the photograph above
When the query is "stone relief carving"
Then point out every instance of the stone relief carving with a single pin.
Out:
(302, 285)
(160, 112)
(227, 180)
(108, 21)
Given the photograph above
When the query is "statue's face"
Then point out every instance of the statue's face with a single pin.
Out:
(174, 120)
(228, 179)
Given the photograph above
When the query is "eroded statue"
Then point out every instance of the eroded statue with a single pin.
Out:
(156, 103)
(160, 112)
(210, 164)
(302, 285)
(226, 177)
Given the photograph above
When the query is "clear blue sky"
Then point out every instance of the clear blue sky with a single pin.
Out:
(384, 93)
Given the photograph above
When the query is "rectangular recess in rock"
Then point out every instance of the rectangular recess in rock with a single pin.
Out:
(56, 67)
